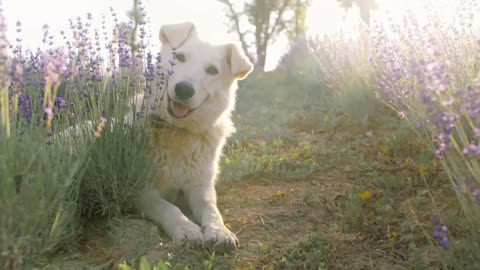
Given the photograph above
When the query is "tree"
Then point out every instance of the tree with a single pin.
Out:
(297, 29)
(365, 7)
(267, 19)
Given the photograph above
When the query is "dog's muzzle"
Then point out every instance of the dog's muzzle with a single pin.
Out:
(176, 106)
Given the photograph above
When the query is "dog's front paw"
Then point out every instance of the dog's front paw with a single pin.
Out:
(187, 231)
(219, 238)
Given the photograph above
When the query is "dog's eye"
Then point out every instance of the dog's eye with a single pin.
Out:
(211, 70)
(181, 57)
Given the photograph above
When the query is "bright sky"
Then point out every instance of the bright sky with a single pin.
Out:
(324, 16)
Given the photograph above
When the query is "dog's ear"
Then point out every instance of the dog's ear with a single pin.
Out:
(238, 61)
(176, 34)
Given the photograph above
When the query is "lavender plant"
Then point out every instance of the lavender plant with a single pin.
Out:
(347, 74)
(426, 68)
(65, 150)
(433, 76)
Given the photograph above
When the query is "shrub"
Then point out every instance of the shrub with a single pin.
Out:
(427, 72)
(65, 149)
(38, 198)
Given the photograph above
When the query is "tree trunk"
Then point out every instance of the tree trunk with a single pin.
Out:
(261, 60)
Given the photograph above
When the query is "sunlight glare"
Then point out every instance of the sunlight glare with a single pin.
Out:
(324, 17)
(396, 10)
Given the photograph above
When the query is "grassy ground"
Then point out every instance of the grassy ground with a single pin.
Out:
(304, 187)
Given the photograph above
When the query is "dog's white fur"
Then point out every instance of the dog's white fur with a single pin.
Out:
(188, 149)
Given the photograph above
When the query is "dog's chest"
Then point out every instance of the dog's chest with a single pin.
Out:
(181, 157)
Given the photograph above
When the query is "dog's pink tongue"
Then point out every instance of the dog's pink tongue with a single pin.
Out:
(179, 109)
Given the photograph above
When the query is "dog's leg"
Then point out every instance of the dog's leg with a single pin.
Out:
(203, 202)
(170, 217)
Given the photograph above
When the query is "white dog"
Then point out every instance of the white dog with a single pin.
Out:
(189, 129)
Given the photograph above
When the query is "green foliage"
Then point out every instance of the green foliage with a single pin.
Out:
(55, 173)
(38, 198)
(260, 14)
(296, 29)
(48, 184)
(117, 170)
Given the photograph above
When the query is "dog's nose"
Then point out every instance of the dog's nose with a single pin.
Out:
(184, 90)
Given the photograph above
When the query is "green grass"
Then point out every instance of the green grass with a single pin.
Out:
(276, 158)
(314, 251)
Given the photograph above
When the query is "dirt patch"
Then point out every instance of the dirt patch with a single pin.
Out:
(266, 213)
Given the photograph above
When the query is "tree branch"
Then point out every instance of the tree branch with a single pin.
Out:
(277, 21)
(241, 35)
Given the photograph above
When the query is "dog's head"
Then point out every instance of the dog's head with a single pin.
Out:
(202, 88)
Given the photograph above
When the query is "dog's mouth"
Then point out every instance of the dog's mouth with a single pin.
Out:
(180, 110)
(177, 109)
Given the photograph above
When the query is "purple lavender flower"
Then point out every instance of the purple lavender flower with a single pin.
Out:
(19, 31)
(25, 105)
(158, 62)
(150, 68)
(125, 57)
(74, 69)
(473, 149)
(45, 29)
(60, 102)
(440, 233)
